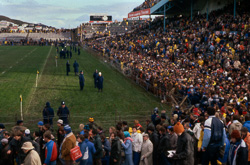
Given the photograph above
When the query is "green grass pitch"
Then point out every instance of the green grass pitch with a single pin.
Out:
(121, 99)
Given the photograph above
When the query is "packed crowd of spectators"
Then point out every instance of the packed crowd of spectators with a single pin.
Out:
(178, 140)
(206, 60)
(147, 4)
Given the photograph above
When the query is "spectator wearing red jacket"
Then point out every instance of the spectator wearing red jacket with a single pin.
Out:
(50, 149)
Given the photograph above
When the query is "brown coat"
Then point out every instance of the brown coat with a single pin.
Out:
(68, 143)
(32, 158)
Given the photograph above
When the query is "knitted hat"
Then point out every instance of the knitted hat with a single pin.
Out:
(40, 123)
(2, 126)
(27, 131)
(67, 128)
(126, 134)
(156, 110)
(235, 134)
(91, 119)
(178, 128)
(19, 122)
(86, 127)
(48, 104)
(169, 127)
(60, 121)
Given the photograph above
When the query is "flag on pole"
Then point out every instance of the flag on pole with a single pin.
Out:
(37, 72)
(21, 98)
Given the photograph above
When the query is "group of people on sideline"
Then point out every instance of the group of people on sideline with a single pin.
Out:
(181, 139)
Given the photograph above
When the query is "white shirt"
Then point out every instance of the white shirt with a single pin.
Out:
(137, 141)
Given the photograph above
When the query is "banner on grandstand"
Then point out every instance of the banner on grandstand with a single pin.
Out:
(139, 13)
(100, 18)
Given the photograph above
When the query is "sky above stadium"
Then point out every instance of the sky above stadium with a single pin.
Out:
(65, 13)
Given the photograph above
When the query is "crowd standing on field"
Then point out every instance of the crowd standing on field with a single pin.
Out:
(180, 139)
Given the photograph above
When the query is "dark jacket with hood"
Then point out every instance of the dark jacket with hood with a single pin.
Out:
(185, 150)
(115, 152)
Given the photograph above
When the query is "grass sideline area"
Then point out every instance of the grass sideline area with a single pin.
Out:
(121, 99)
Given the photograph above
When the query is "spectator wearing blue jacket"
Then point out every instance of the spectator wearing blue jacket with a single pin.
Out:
(247, 122)
(50, 149)
(107, 148)
(91, 149)
(127, 145)
(214, 137)
(225, 157)
(84, 150)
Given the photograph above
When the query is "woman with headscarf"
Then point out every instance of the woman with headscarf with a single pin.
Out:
(127, 145)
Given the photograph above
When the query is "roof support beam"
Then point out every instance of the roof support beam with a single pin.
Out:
(234, 8)
(191, 10)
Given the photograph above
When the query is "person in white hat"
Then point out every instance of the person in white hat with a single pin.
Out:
(5, 158)
(32, 157)
(27, 134)
(100, 82)
(146, 151)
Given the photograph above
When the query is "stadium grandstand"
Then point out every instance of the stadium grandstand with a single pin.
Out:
(148, 48)
(199, 50)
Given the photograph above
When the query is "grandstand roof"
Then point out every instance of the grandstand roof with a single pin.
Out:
(175, 7)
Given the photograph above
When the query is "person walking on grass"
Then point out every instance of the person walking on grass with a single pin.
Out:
(67, 67)
(100, 82)
(95, 76)
(81, 80)
(76, 66)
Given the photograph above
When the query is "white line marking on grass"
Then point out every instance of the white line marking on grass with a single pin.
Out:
(40, 75)
(18, 61)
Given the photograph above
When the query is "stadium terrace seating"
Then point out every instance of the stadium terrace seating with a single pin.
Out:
(12, 36)
(16, 37)
(49, 36)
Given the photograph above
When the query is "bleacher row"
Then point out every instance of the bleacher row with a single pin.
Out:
(16, 37)
(114, 28)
